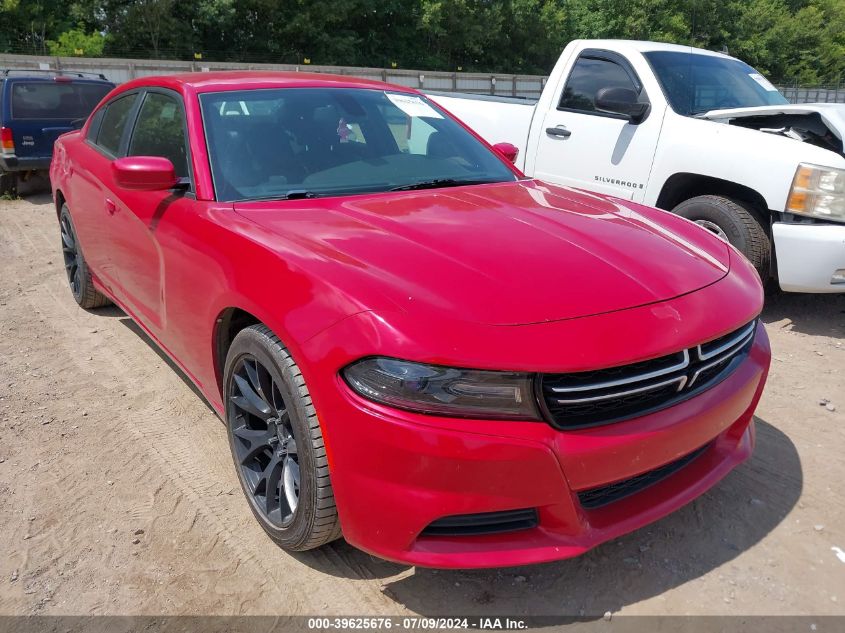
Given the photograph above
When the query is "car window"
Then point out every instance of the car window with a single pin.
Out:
(94, 125)
(337, 141)
(114, 123)
(160, 131)
(55, 99)
(588, 76)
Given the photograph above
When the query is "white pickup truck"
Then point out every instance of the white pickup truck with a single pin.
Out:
(695, 132)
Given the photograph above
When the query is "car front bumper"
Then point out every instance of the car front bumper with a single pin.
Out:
(395, 472)
(810, 257)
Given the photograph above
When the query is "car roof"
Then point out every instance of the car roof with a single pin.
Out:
(219, 81)
(643, 46)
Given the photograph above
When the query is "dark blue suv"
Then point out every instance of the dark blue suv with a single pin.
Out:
(35, 108)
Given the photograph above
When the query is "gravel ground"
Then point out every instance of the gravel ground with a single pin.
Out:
(118, 496)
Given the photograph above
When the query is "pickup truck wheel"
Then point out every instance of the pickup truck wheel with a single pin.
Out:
(8, 183)
(276, 442)
(734, 222)
(78, 275)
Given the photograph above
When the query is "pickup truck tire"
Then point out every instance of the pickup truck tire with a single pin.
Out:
(8, 183)
(276, 442)
(78, 275)
(737, 223)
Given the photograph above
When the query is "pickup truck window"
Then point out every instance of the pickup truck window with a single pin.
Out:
(694, 83)
(52, 100)
(308, 142)
(114, 123)
(588, 76)
(160, 131)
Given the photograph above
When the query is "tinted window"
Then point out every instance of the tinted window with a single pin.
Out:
(588, 76)
(114, 122)
(336, 141)
(695, 83)
(160, 131)
(55, 100)
(94, 126)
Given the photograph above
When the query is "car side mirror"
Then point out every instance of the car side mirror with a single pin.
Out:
(144, 173)
(622, 101)
(508, 150)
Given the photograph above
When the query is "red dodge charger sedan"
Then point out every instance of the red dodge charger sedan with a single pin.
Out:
(412, 345)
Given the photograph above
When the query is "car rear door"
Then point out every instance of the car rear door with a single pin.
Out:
(93, 190)
(581, 146)
(41, 109)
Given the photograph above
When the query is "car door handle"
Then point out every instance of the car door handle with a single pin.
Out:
(558, 131)
(111, 207)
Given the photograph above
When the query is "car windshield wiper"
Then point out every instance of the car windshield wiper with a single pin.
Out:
(293, 194)
(440, 182)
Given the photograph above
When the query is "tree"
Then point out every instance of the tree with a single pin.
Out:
(71, 42)
(802, 40)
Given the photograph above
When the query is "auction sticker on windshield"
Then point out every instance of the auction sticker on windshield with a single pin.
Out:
(413, 105)
(763, 82)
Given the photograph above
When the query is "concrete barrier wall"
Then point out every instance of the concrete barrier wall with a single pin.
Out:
(121, 70)
(530, 86)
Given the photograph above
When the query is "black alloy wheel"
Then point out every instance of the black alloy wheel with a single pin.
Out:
(264, 442)
(78, 274)
(277, 442)
(70, 250)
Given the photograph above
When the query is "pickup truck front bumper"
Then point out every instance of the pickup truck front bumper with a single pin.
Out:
(810, 257)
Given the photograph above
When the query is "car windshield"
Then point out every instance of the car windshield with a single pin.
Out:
(307, 142)
(695, 83)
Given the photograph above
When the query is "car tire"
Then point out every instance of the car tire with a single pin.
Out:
(735, 222)
(78, 274)
(8, 183)
(269, 413)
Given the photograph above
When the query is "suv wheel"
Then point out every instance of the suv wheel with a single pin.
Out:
(8, 183)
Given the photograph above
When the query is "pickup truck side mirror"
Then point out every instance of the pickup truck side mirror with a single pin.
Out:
(508, 150)
(622, 101)
(144, 173)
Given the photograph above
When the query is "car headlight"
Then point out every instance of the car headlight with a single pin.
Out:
(818, 192)
(439, 390)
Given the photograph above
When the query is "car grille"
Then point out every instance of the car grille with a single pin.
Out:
(597, 497)
(590, 398)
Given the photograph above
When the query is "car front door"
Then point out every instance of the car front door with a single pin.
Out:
(582, 146)
(141, 216)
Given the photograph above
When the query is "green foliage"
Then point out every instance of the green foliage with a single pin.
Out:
(76, 42)
(792, 40)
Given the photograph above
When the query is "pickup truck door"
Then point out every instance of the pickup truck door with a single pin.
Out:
(139, 218)
(581, 146)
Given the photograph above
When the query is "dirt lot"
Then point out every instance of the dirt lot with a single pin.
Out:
(118, 496)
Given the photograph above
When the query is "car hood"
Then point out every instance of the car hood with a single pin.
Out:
(501, 254)
(832, 114)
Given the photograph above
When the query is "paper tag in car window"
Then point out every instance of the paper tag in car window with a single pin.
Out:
(763, 82)
(412, 105)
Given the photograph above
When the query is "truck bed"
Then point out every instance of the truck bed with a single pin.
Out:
(505, 119)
